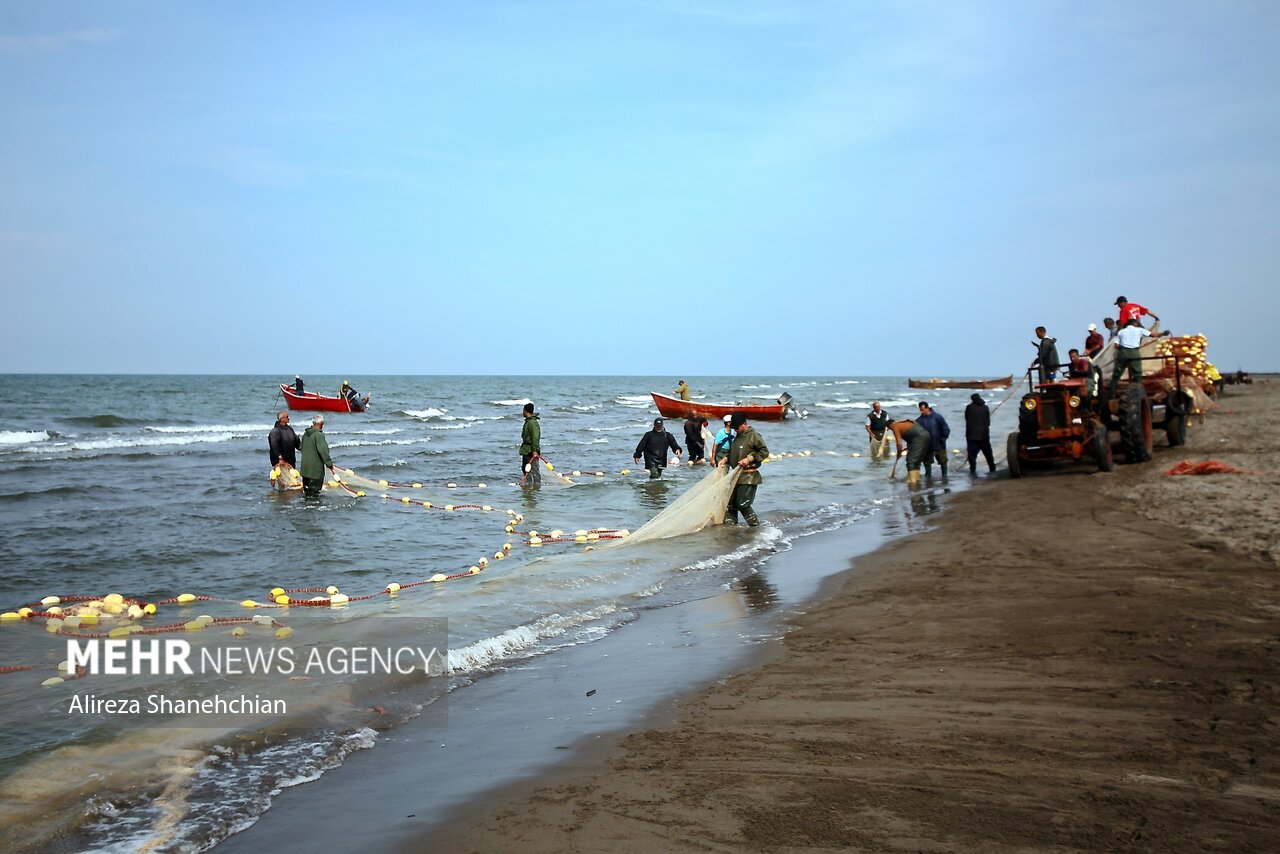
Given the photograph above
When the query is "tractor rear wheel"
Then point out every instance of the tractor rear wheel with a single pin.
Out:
(1102, 448)
(1175, 427)
(1135, 424)
(1015, 465)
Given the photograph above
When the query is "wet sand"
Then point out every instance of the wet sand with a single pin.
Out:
(1070, 661)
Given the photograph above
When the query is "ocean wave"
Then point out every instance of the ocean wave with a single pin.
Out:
(610, 429)
(846, 382)
(103, 421)
(457, 426)
(389, 432)
(591, 408)
(599, 440)
(634, 401)
(23, 437)
(430, 412)
(521, 402)
(762, 385)
(513, 642)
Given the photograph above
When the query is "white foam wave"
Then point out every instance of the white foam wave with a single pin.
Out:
(425, 413)
(591, 408)
(362, 444)
(512, 642)
(22, 437)
(242, 429)
(762, 385)
(521, 402)
(846, 382)
(390, 432)
(825, 405)
(461, 426)
(610, 429)
(122, 443)
(599, 440)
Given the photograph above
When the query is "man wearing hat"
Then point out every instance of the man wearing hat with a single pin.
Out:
(653, 446)
(1093, 342)
(721, 443)
(747, 452)
(1131, 311)
(298, 385)
(977, 432)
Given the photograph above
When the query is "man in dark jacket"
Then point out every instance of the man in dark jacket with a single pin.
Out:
(693, 438)
(939, 432)
(530, 447)
(282, 442)
(653, 447)
(1046, 355)
(315, 457)
(747, 452)
(977, 433)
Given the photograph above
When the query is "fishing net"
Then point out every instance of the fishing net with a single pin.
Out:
(285, 477)
(704, 504)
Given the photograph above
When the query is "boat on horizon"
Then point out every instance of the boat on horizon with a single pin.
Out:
(674, 407)
(1001, 382)
(312, 402)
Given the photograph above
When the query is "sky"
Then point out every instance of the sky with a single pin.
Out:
(645, 187)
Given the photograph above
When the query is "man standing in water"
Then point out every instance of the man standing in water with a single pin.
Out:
(315, 457)
(977, 432)
(530, 448)
(693, 426)
(939, 432)
(877, 425)
(747, 452)
(913, 440)
(282, 442)
(653, 446)
(720, 445)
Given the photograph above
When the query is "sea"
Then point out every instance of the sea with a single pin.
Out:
(152, 487)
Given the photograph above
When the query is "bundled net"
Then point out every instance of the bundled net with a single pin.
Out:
(1183, 355)
(704, 504)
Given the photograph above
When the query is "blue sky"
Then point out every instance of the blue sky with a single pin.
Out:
(645, 187)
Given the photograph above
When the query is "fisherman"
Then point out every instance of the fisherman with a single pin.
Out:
(693, 438)
(682, 389)
(654, 445)
(282, 442)
(877, 424)
(1093, 342)
(298, 385)
(1080, 367)
(1129, 352)
(721, 443)
(939, 432)
(977, 433)
(913, 440)
(530, 447)
(347, 391)
(1112, 329)
(315, 457)
(1131, 311)
(1046, 356)
(747, 453)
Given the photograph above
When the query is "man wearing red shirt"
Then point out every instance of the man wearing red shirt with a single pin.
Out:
(1093, 343)
(1130, 311)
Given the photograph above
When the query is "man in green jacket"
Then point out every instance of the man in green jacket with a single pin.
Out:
(315, 457)
(747, 452)
(530, 448)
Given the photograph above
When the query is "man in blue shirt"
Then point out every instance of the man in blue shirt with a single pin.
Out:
(723, 440)
(938, 433)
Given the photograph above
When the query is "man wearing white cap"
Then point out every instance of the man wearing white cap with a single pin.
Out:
(720, 447)
(1093, 342)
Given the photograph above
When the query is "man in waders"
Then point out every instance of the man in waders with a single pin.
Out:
(747, 452)
(530, 448)
(315, 457)
(877, 427)
(720, 445)
(913, 440)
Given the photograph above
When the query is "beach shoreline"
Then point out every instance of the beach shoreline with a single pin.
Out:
(1072, 660)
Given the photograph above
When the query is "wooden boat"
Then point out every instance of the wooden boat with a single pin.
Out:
(313, 402)
(1002, 382)
(674, 407)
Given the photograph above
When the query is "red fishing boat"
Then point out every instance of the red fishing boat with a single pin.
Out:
(674, 407)
(313, 402)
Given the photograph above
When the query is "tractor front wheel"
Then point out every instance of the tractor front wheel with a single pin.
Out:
(1015, 465)
(1102, 448)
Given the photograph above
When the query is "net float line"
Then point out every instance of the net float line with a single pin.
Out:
(426, 505)
(394, 485)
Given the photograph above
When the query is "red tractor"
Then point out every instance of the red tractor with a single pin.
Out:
(1060, 421)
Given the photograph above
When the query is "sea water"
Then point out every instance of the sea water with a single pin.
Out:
(153, 486)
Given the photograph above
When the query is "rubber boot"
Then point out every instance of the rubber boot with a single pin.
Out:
(752, 519)
(943, 465)
(913, 477)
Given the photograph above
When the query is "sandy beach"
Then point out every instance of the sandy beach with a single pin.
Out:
(1070, 661)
